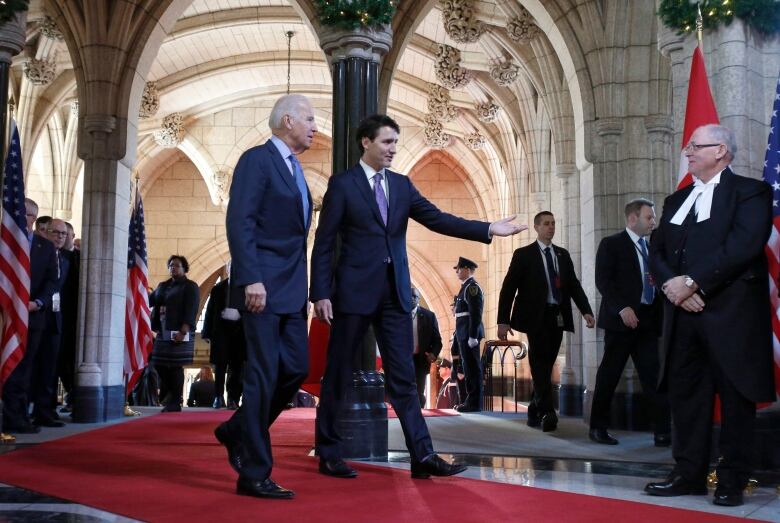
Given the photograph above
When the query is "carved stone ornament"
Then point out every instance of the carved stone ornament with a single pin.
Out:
(439, 103)
(435, 137)
(222, 184)
(40, 72)
(459, 21)
(522, 28)
(50, 30)
(150, 101)
(171, 133)
(475, 141)
(504, 72)
(74, 109)
(448, 69)
(487, 112)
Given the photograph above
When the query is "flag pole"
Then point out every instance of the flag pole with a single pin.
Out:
(699, 25)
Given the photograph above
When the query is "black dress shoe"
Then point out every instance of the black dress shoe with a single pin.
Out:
(219, 403)
(676, 485)
(48, 423)
(171, 408)
(266, 488)
(549, 422)
(727, 498)
(534, 421)
(22, 428)
(435, 466)
(337, 468)
(235, 457)
(602, 436)
(663, 439)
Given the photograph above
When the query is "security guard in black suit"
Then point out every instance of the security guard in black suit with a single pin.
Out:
(469, 331)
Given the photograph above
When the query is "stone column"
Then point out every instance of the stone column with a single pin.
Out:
(12, 35)
(571, 391)
(99, 393)
(355, 58)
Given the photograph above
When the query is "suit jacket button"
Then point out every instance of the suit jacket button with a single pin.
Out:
(676, 251)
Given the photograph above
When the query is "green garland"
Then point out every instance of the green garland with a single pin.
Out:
(763, 16)
(351, 14)
(9, 8)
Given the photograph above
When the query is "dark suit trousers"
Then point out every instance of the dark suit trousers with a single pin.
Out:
(422, 369)
(17, 391)
(642, 345)
(472, 369)
(393, 329)
(44, 379)
(277, 363)
(694, 378)
(543, 347)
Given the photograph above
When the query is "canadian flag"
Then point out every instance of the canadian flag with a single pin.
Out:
(699, 110)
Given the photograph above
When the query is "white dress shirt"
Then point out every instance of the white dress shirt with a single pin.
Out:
(701, 195)
(542, 247)
(370, 172)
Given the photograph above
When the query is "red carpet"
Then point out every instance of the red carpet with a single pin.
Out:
(169, 468)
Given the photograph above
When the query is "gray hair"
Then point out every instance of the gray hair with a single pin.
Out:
(288, 104)
(723, 135)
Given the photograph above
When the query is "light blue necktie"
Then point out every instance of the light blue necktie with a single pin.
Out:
(648, 290)
(300, 181)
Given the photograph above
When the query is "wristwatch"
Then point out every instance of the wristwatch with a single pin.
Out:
(689, 282)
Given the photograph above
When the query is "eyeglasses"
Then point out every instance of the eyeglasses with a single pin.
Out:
(693, 146)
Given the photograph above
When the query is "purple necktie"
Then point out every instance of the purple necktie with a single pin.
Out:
(381, 199)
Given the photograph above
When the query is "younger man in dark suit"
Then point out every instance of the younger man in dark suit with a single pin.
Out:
(535, 299)
(469, 331)
(369, 207)
(427, 343)
(630, 315)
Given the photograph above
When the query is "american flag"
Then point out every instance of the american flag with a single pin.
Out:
(14, 262)
(138, 327)
(772, 177)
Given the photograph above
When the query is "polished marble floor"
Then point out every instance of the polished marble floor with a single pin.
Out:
(564, 461)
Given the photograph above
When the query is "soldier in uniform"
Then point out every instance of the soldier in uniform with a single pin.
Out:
(468, 332)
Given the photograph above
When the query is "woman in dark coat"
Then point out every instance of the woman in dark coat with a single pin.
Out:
(175, 303)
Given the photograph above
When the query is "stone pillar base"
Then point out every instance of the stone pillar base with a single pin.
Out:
(363, 420)
(570, 398)
(98, 404)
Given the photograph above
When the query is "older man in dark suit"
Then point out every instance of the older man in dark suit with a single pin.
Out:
(17, 391)
(708, 256)
(427, 343)
(268, 218)
(369, 207)
(535, 299)
(630, 315)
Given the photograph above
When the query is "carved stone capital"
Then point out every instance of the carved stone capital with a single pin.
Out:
(669, 41)
(487, 112)
(565, 171)
(49, 29)
(439, 103)
(368, 44)
(609, 127)
(40, 72)
(150, 101)
(504, 71)
(522, 28)
(659, 124)
(171, 132)
(459, 21)
(435, 137)
(221, 181)
(74, 109)
(448, 69)
(475, 141)
(99, 123)
(12, 37)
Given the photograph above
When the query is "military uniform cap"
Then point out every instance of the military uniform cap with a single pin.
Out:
(465, 262)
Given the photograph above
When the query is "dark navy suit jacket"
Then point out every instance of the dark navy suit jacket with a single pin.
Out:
(43, 278)
(349, 209)
(266, 230)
